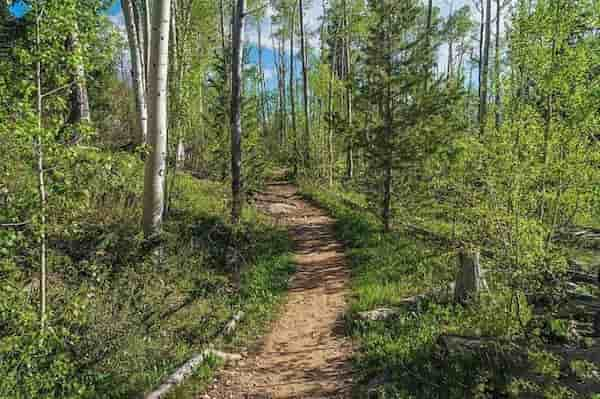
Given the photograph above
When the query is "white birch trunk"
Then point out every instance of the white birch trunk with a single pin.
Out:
(41, 179)
(137, 67)
(303, 54)
(155, 171)
(145, 38)
(236, 109)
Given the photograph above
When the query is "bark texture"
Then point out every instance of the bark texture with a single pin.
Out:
(304, 85)
(154, 177)
(136, 54)
(485, 62)
(78, 98)
(236, 110)
(468, 279)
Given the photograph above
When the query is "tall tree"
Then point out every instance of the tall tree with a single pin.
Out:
(497, 58)
(136, 54)
(304, 85)
(348, 82)
(144, 23)
(261, 76)
(79, 102)
(296, 157)
(236, 110)
(39, 147)
(155, 170)
(485, 62)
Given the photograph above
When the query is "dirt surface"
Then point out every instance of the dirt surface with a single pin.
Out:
(306, 354)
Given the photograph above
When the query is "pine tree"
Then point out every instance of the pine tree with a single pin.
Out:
(396, 53)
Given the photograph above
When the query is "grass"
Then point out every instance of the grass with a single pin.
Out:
(122, 316)
(196, 295)
(402, 356)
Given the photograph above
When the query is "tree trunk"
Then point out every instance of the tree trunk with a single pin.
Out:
(479, 61)
(330, 111)
(280, 68)
(293, 91)
(137, 68)
(387, 182)
(155, 170)
(146, 37)
(41, 179)
(388, 118)
(484, 68)
(138, 15)
(429, 48)
(450, 58)
(497, 66)
(304, 86)
(468, 279)
(222, 26)
(261, 78)
(236, 111)
(347, 54)
(79, 103)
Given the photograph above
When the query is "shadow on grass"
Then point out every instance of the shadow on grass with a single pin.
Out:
(144, 318)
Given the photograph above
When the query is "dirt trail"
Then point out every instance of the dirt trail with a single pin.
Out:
(305, 355)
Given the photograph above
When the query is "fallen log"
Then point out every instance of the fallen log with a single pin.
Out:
(578, 274)
(492, 350)
(590, 236)
(411, 303)
(380, 314)
(14, 225)
(187, 369)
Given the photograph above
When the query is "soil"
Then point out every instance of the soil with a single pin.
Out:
(306, 354)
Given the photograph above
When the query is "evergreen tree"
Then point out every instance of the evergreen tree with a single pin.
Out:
(396, 53)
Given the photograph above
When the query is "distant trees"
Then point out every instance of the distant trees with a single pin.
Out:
(136, 34)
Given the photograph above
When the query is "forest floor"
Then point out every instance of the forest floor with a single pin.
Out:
(306, 354)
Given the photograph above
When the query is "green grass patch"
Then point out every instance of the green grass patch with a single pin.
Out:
(122, 318)
(402, 355)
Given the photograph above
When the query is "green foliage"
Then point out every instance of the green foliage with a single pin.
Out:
(404, 353)
(120, 323)
(584, 370)
(408, 125)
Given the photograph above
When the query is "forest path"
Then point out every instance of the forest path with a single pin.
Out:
(306, 354)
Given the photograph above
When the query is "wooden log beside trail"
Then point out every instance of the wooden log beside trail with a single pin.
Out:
(188, 367)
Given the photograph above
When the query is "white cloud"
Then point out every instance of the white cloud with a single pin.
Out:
(118, 20)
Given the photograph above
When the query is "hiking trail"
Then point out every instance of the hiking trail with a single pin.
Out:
(305, 354)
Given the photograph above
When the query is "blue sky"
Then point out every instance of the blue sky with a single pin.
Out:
(312, 19)
(313, 22)
(18, 9)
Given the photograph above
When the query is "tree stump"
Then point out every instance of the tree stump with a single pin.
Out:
(469, 281)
